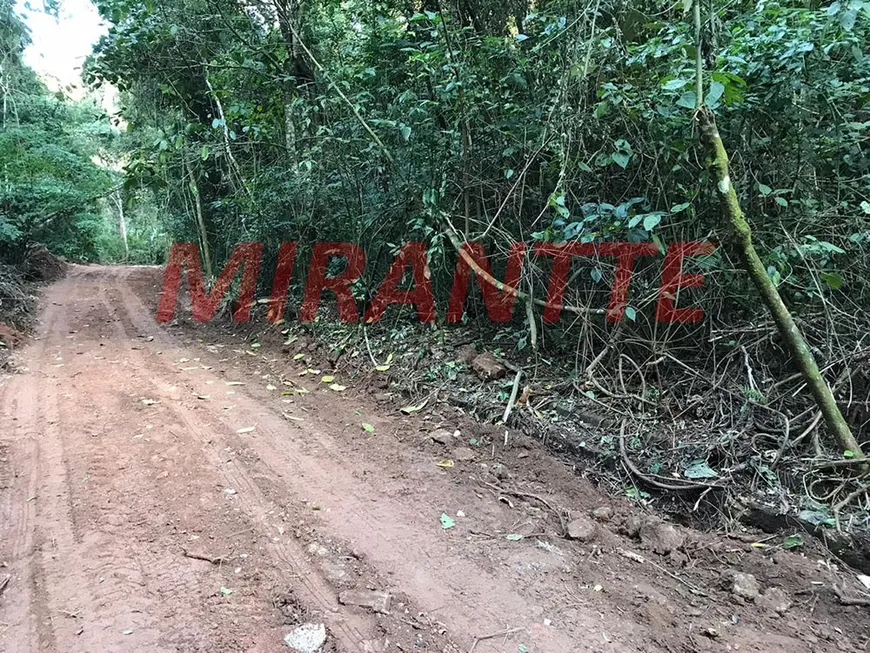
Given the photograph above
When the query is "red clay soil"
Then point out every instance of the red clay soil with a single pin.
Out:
(159, 491)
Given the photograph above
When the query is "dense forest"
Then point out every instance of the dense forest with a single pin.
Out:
(62, 169)
(453, 121)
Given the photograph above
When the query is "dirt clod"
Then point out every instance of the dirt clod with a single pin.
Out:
(744, 586)
(441, 436)
(582, 529)
(488, 367)
(660, 536)
(602, 513)
(463, 455)
(775, 599)
(632, 525)
(465, 354)
(712, 633)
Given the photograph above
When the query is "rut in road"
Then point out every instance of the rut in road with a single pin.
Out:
(117, 468)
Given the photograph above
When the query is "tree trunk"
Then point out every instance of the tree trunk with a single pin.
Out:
(742, 235)
(122, 223)
(200, 221)
(289, 14)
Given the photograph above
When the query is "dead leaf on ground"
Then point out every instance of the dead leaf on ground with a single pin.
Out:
(408, 410)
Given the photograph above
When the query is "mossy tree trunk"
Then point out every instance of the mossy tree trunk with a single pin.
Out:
(742, 236)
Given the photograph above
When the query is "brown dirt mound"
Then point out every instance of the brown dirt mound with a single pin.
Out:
(41, 265)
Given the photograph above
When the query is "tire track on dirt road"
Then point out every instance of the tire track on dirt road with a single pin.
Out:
(38, 507)
(19, 483)
(397, 536)
(137, 519)
(354, 632)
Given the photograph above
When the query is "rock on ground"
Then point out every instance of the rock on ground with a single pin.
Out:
(745, 586)
(581, 529)
(463, 455)
(465, 354)
(375, 601)
(441, 436)
(307, 638)
(602, 513)
(774, 599)
(661, 537)
(488, 367)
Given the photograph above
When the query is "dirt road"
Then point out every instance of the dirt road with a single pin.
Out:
(158, 494)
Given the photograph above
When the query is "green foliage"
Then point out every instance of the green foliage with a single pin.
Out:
(51, 186)
(562, 122)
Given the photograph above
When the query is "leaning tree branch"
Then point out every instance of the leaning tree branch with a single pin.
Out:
(741, 234)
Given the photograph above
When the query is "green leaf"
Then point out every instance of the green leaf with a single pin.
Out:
(714, 94)
(621, 159)
(674, 84)
(651, 221)
(631, 313)
(557, 202)
(514, 537)
(847, 19)
(679, 208)
(833, 280)
(447, 521)
(848, 453)
(687, 100)
(596, 275)
(781, 201)
(831, 247)
(700, 469)
(406, 132)
(764, 190)
(793, 542)
(368, 427)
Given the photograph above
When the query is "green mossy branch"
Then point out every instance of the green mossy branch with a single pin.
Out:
(791, 335)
